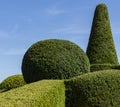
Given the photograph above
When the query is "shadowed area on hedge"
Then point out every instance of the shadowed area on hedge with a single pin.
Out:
(96, 89)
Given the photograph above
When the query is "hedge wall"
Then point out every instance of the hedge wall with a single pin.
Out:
(97, 89)
(46, 93)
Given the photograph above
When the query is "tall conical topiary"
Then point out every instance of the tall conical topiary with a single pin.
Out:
(101, 49)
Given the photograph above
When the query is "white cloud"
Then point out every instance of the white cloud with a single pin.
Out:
(54, 11)
(14, 29)
(71, 30)
(116, 32)
(7, 34)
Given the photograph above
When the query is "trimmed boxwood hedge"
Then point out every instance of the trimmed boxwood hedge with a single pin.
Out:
(96, 89)
(99, 67)
(54, 59)
(45, 93)
(101, 48)
(12, 82)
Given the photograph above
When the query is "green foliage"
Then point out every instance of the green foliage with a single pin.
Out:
(2, 90)
(54, 59)
(46, 93)
(99, 67)
(96, 89)
(12, 82)
(101, 49)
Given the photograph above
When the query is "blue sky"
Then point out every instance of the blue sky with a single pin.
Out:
(24, 22)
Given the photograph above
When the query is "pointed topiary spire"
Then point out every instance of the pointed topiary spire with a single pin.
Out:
(101, 49)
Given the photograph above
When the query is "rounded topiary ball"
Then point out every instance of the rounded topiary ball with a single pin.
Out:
(12, 82)
(54, 59)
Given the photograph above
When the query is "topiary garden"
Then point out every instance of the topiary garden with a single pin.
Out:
(66, 70)
(54, 59)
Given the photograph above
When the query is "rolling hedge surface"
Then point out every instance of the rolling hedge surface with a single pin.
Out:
(45, 93)
(96, 89)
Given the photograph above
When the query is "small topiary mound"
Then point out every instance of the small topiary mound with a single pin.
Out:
(12, 82)
(97, 89)
(54, 59)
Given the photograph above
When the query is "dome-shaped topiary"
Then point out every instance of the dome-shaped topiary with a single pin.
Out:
(101, 49)
(54, 59)
(12, 82)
